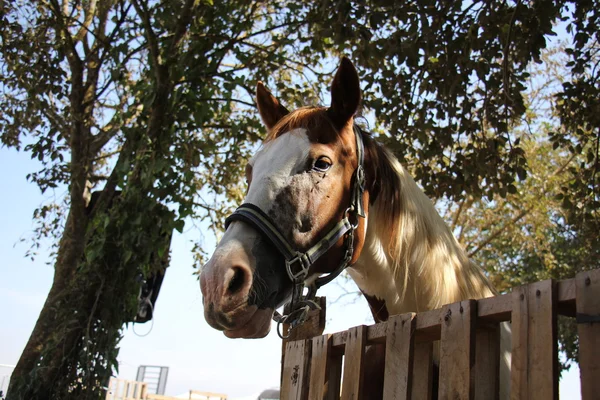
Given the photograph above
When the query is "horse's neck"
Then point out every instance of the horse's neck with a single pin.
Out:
(426, 269)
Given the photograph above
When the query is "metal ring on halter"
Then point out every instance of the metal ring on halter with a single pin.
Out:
(351, 212)
(302, 312)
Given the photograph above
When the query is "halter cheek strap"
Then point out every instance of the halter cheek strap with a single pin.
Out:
(298, 263)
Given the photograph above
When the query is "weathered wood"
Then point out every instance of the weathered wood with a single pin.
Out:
(334, 375)
(487, 361)
(588, 328)
(321, 348)
(491, 309)
(534, 367)
(422, 372)
(534, 360)
(494, 309)
(294, 385)
(312, 327)
(354, 362)
(566, 297)
(457, 350)
(429, 325)
(399, 349)
(208, 395)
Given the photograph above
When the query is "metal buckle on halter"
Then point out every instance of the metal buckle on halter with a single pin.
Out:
(304, 263)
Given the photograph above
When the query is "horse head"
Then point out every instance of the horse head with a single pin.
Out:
(303, 216)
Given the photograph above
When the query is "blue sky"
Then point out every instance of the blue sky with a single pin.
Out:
(198, 356)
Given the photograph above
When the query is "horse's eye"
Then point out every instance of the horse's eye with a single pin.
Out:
(322, 164)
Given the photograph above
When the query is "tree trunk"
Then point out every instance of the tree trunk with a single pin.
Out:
(70, 252)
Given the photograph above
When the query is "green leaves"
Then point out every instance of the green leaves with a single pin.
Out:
(158, 104)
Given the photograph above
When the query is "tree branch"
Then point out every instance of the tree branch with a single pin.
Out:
(150, 37)
(185, 17)
(90, 12)
(522, 214)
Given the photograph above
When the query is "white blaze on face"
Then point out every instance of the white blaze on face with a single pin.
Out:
(272, 168)
(274, 165)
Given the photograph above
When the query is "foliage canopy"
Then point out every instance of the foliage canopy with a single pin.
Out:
(154, 100)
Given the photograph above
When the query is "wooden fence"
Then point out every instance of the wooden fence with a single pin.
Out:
(332, 366)
(121, 389)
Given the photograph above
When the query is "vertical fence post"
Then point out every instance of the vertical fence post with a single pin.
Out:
(294, 385)
(534, 366)
(354, 362)
(588, 327)
(457, 350)
(320, 365)
(312, 327)
(422, 372)
(487, 361)
(399, 350)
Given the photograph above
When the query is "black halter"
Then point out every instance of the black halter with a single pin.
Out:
(297, 264)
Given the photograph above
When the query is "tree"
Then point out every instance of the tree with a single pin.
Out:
(530, 234)
(141, 99)
(153, 100)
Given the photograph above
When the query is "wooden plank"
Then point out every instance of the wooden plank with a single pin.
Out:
(566, 297)
(399, 350)
(159, 397)
(321, 348)
(294, 385)
(334, 375)
(588, 328)
(312, 327)
(422, 372)
(207, 394)
(353, 363)
(487, 361)
(457, 350)
(491, 309)
(373, 371)
(494, 309)
(429, 325)
(138, 390)
(534, 367)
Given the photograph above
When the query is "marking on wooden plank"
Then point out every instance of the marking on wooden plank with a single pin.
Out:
(588, 328)
(353, 363)
(457, 350)
(399, 350)
(534, 366)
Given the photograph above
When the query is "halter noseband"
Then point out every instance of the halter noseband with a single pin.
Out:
(297, 264)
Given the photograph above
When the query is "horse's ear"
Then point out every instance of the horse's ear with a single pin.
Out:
(345, 93)
(269, 108)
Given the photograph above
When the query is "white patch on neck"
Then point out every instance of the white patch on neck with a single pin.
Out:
(274, 164)
(427, 268)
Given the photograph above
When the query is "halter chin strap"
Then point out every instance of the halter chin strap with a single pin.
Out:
(298, 263)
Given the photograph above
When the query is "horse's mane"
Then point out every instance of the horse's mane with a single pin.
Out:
(420, 244)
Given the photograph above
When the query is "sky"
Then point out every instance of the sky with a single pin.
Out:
(198, 357)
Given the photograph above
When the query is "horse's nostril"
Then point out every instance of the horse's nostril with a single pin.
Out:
(237, 281)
